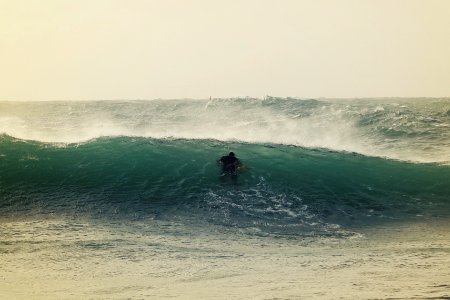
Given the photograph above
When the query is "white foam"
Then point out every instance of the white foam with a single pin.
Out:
(254, 121)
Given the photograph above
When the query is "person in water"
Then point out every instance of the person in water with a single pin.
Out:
(230, 165)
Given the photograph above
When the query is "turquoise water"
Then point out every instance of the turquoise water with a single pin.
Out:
(312, 191)
(332, 187)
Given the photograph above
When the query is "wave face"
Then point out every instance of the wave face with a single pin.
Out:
(406, 129)
(287, 190)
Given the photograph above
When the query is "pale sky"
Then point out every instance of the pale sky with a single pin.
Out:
(148, 49)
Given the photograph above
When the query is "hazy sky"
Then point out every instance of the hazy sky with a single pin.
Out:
(147, 49)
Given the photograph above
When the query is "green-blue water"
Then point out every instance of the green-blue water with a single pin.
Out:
(133, 178)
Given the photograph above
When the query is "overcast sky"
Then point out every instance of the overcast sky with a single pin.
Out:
(147, 49)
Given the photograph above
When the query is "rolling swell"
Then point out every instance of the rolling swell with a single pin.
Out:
(287, 189)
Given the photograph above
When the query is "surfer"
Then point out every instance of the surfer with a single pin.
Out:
(230, 165)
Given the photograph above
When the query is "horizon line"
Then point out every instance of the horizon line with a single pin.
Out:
(229, 98)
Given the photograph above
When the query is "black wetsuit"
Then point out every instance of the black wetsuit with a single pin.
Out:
(229, 164)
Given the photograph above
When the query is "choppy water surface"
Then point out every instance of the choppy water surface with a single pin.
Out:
(342, 199)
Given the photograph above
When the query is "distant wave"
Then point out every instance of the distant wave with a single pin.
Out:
(410, 130)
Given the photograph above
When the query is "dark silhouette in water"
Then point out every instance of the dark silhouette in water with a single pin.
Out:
(230, 166)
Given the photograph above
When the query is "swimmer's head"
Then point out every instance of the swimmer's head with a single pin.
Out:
(231, 154)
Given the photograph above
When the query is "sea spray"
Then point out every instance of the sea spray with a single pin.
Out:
(406, 129)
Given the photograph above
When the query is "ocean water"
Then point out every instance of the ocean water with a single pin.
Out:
(342, 199)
